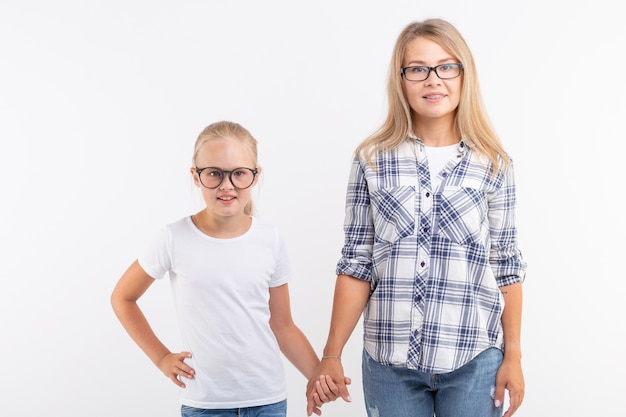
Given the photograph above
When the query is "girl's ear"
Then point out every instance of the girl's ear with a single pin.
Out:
(196, 180)
(258, 174)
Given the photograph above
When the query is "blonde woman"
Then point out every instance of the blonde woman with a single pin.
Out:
(430, 257)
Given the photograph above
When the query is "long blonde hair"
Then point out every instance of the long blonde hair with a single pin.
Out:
(471, 119)
(228, 130)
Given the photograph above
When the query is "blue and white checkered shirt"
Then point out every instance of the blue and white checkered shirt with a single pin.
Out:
(435, 257)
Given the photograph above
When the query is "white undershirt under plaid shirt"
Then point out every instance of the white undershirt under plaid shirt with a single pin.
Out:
(435, 257)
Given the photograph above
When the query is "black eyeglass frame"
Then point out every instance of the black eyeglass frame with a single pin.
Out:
(430, 69)
(230, 176)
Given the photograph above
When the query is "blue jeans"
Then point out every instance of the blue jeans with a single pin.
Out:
(402, 392)
(271, 410)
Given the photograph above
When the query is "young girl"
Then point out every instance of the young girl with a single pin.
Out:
(229, 272)
(430, 255)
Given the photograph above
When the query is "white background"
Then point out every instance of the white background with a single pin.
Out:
(100, 104)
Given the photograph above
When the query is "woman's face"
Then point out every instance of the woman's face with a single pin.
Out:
(432, 98)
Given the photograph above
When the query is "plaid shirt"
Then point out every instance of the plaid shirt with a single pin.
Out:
(435, 257)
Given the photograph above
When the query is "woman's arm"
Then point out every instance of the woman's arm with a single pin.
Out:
(510, 270)
(510, 376)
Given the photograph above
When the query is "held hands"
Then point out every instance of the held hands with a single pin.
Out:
(173, 366)
(325, 390)
(327, 384)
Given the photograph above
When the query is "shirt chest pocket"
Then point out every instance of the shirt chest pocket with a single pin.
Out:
(462, 215)
(394, 213)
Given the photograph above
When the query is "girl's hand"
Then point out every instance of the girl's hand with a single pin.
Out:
(174, 367)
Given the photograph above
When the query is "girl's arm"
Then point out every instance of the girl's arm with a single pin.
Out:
(351, 295)
(292, 342)
(131, 286)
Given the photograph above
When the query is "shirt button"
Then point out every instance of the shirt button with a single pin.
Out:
(422, 264)
(427, 194)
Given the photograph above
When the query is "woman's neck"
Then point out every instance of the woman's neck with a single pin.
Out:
(436, 132)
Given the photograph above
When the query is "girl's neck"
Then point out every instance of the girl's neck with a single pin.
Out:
(222, 227)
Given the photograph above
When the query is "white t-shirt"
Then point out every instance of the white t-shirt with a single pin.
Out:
(221, 293)
(438, 158)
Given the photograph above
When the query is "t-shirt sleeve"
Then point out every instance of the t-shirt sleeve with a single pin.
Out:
(282, 273)
(155, 258)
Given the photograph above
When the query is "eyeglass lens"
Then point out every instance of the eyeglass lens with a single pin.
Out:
(420, 73)
(240, 177)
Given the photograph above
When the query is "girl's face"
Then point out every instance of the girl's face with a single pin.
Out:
(432, 98)
(226, 154)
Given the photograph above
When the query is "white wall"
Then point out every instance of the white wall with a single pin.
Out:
(101, 101)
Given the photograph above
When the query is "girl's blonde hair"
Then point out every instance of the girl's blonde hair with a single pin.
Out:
(471, 119)
(228, 130)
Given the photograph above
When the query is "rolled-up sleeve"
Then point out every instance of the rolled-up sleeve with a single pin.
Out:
(356, 254)
(505, 257)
